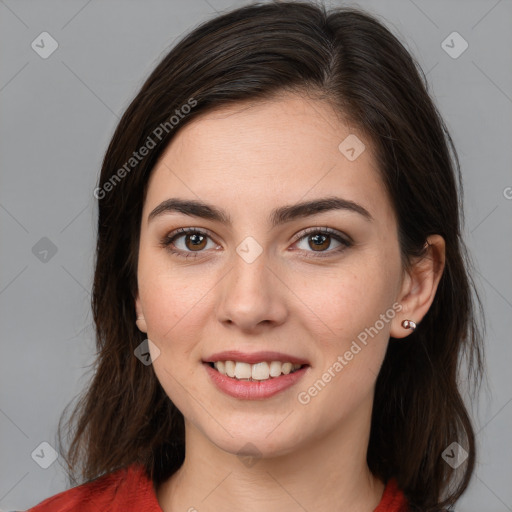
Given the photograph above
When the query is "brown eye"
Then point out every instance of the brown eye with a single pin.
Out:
(194, 241)
(320, 241)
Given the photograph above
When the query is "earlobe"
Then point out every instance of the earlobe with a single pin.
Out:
(419, 288)
(140, 321)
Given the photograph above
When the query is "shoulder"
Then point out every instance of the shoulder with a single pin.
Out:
(393, 499)
(125, 489)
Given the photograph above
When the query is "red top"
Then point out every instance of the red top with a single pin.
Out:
(130, 489)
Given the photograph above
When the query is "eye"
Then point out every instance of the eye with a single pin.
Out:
(319, 239)
(194, 241)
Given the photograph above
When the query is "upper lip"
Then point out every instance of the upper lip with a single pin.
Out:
(254, 357)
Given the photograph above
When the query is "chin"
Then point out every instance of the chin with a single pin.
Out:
(256, 444)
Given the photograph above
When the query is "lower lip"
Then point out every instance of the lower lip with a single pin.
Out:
(254, 390)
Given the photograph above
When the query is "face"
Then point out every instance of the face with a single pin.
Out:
(319, 285)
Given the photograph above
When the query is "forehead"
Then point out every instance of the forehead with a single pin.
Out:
(263, 153)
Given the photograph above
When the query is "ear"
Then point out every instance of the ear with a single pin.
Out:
(141, 321)
(419, 286)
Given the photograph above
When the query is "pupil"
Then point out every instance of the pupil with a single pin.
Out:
(195, 238)
(316, 238)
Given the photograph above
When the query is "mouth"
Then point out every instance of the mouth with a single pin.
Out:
(257, 372)
(256, 381)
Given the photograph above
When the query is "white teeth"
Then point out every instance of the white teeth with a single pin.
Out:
(243, 371)
(275, 368)
(230, 368)
(286, 368)
(258, 371)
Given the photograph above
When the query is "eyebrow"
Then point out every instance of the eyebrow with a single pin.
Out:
(278, 216)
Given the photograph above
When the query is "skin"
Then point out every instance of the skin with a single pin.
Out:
(248, 160)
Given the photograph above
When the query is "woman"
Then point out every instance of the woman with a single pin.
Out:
(282, 295)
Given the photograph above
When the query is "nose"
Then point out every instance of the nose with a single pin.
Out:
(252, 295)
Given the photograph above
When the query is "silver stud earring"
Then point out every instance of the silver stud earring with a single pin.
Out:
(409, 324)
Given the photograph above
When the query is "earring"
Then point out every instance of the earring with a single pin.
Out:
(140, 322)
(409, 324)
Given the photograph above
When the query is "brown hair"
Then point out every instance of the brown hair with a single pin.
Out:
(350, 59)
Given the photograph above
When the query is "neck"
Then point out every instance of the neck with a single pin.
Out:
(328, 473)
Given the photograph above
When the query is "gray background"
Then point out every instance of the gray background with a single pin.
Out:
(57, 117)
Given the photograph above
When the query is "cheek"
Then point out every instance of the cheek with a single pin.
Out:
(174, 314)
(345, 301)
(351, 338)
(171, 296)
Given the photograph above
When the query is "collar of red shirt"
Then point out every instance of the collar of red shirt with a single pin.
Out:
(131, 489)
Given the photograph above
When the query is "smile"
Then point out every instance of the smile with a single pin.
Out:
(248, 388)
(255, 372)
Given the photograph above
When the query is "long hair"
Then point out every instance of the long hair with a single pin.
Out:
(346, 57)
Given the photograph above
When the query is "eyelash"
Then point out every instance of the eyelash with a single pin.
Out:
(168, 240)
